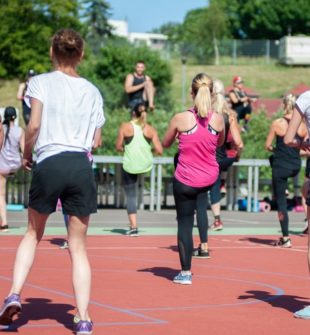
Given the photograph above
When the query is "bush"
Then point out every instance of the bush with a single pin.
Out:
(110, 67)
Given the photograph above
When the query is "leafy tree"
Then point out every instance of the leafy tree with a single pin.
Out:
(202, 28)
(25, 31)
(267, 19)
(95, 15)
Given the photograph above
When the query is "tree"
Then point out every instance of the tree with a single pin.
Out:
(266, 19)
(25, 31)
(202, 28)
(95, 16)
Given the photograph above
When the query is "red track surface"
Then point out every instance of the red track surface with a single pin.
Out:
(247, 287)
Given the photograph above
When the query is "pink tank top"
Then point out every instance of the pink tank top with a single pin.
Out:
(197, 165)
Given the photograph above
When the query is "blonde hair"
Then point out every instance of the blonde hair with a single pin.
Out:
(289, 103)
(202, 87)
(219, 102)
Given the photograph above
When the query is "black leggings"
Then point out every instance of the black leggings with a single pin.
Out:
(186, 199)
(279, 182)
(130, 188)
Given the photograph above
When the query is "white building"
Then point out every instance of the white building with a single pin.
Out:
(154, 41)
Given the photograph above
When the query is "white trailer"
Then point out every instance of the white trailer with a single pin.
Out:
(294, 50)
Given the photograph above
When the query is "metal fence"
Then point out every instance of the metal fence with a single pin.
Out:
(154, 189)
(234, 52)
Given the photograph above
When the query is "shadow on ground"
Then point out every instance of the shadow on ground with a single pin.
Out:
(290, 303)
(35, 309)
(163, 272)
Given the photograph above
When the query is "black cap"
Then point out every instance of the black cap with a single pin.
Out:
(31, 73)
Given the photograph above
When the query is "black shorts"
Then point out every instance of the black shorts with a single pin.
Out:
(307, 169)
(67, 176)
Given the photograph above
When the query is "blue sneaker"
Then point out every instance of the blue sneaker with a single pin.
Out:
(184, 279)
(303, 313)
(11, 307)
(84, 328)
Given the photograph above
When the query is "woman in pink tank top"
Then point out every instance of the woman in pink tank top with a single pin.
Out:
(199, 131)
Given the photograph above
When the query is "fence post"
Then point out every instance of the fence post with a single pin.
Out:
(234, 53)
(267, 51)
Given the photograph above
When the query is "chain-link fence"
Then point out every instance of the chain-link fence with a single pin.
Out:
(223, 52)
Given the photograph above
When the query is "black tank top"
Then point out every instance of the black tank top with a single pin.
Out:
(137, 94)
(221, 151)
(239, 95)
(284, 156)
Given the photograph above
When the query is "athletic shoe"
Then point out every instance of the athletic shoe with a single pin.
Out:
(303, 313)
(11, 307)
(284, 243)
(132, 232)
(201, 253)
(4, 228)
(65, 245)
(84, 328)
(184, 279)
(217, 225)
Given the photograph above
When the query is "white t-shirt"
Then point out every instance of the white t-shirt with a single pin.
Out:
(303, 105)
(72, 111)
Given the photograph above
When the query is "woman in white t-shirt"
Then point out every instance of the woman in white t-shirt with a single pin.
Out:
(300, 113)
(10, 157)
(65, 124)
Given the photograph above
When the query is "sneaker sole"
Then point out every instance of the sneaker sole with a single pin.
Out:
(10, 311)
(182, 282)
(84, 333)
(197, 256)
(301, 317)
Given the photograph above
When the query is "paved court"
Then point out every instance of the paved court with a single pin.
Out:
(114, 221)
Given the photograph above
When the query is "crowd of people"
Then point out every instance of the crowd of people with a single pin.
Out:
(64, 116)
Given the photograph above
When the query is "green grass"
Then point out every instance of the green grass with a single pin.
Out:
(269, 81)
(8, 92)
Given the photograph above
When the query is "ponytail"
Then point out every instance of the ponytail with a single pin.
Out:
(9, 115)
(139, 112)
(203, 101)
(289, 103)
(219, 102)
(202, 87)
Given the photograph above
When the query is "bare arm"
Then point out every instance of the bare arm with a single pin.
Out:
(217, 123)
(271, 135)
(289, 138)
(235, 132)
(129, 88)
(97, 141)
(22, 142)
(171, 133)
(157, 145)
(120, 139)
(1, 134)
(20, 91)
(32, 131)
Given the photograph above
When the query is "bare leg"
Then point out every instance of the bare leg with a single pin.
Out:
(216, 209)
(27, 248)
(149, 93)
(133, 220)
(81, 272)
(2, 200)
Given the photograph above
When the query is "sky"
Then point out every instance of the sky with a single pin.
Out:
(145, 15)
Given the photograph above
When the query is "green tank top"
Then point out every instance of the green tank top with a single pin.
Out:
(138, 156)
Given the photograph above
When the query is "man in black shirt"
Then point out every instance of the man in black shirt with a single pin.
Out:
(139, 87)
